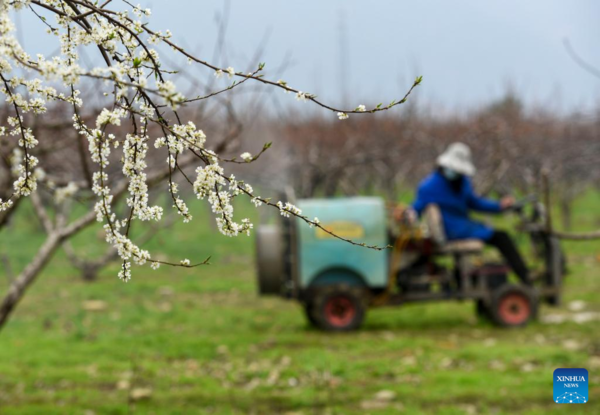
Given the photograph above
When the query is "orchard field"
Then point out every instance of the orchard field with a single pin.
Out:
(178, 341)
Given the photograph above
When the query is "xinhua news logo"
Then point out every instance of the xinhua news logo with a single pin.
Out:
(571, 386)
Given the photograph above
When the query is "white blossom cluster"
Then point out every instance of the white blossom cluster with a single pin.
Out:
(134, 150)
(212, 184)
(288, 209)
(64, 193)
(132, 65)
(140, 92)
(23, 163)
(229, 71)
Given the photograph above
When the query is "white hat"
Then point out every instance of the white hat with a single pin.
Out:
(458, 158)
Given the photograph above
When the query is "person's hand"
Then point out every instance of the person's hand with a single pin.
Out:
(405, 214)
(398, 213)
(410, 216)
(506, 202)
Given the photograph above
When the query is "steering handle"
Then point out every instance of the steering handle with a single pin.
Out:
(519, 205)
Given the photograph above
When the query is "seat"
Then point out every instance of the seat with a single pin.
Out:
(464, 246)
(461, 249)
(435, 229)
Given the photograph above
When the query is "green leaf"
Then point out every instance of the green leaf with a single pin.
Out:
(137, 62)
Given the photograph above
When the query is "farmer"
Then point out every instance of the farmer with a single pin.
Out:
(449, 187)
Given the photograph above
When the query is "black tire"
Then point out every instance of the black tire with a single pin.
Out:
(339, 307)
(482, 310)
(308, 313)
(513, 306)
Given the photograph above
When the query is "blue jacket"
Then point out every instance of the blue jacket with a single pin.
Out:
(455, 207)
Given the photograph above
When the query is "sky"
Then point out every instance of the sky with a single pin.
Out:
(470, 52)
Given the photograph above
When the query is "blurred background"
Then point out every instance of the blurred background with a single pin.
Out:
(518, 82)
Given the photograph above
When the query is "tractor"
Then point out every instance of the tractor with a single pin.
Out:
(337, 282)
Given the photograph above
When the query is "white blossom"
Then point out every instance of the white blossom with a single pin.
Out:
(134, 75)
(288, 209)
(125, 272)
(301, 96)
(63, 193)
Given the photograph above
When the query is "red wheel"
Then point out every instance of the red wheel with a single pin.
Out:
(513, 306)
(339, 307)
(514, 309)
(339, 311)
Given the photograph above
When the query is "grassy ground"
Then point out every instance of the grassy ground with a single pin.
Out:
(202, 341)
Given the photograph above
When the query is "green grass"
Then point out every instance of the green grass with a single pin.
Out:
(202, 341)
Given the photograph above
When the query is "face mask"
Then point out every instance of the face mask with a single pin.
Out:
(450, 174)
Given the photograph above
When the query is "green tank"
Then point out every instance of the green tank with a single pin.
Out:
(292, 257)
(324, 259)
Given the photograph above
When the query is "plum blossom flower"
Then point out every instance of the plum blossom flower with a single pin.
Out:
(63, 193)
(288, 209)
(301, 96)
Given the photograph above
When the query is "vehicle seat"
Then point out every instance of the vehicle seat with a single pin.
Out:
(435, 228)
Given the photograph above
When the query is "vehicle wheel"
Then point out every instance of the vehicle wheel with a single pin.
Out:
(482, 311)
(513, 306)
(308, 312)
(339, 307)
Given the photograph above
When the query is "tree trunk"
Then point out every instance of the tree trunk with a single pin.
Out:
(54, 240)
(31, 271)
(566, 213)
